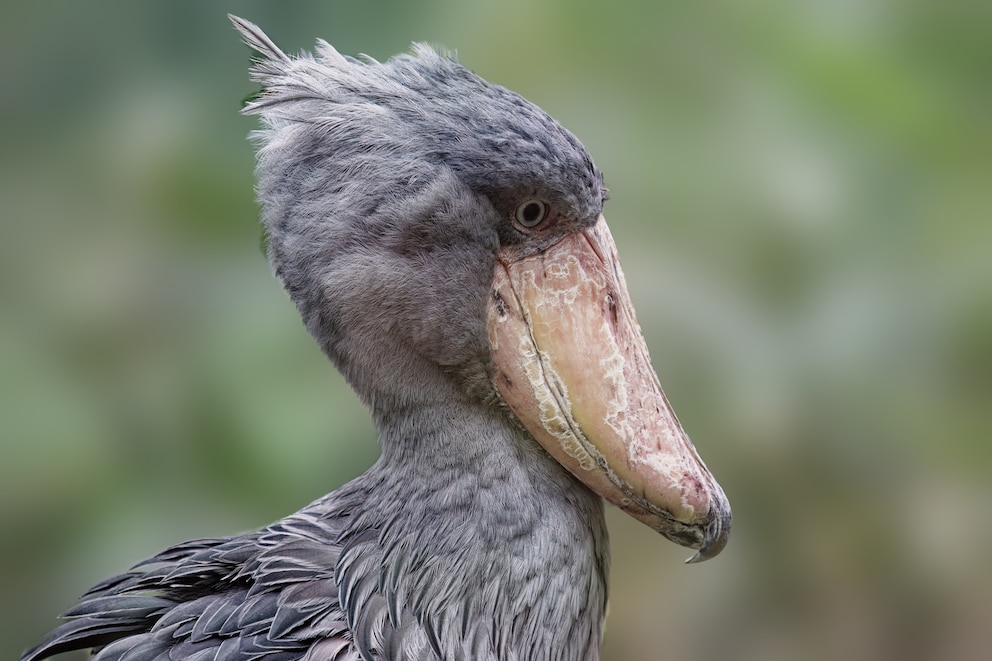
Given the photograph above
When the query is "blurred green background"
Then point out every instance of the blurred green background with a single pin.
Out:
(802, 197)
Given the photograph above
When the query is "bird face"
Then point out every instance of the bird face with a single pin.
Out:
(425, 220)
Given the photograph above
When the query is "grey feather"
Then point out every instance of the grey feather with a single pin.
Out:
(386, 191)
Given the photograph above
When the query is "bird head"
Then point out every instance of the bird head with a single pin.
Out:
(443, 237)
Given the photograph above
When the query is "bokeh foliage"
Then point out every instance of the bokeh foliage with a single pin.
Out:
(802, 196)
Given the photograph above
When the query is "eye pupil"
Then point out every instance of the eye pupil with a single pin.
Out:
(531, 213)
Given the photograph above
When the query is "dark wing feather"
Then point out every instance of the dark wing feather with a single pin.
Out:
(269, 595)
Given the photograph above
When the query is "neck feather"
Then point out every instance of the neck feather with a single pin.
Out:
(466, 527)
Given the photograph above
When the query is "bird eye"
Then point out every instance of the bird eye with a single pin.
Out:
(531, 213)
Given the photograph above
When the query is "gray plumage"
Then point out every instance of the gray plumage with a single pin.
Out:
(387, 189)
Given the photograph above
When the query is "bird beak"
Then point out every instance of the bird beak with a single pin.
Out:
(572, 365)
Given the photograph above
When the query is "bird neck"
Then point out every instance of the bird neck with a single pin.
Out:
(478, 535)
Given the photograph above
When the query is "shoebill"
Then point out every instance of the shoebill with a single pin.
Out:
(444, 242)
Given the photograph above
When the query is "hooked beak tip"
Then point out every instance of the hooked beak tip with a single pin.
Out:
(716, 534)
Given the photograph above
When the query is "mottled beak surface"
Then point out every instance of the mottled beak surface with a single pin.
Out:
(572, 365)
